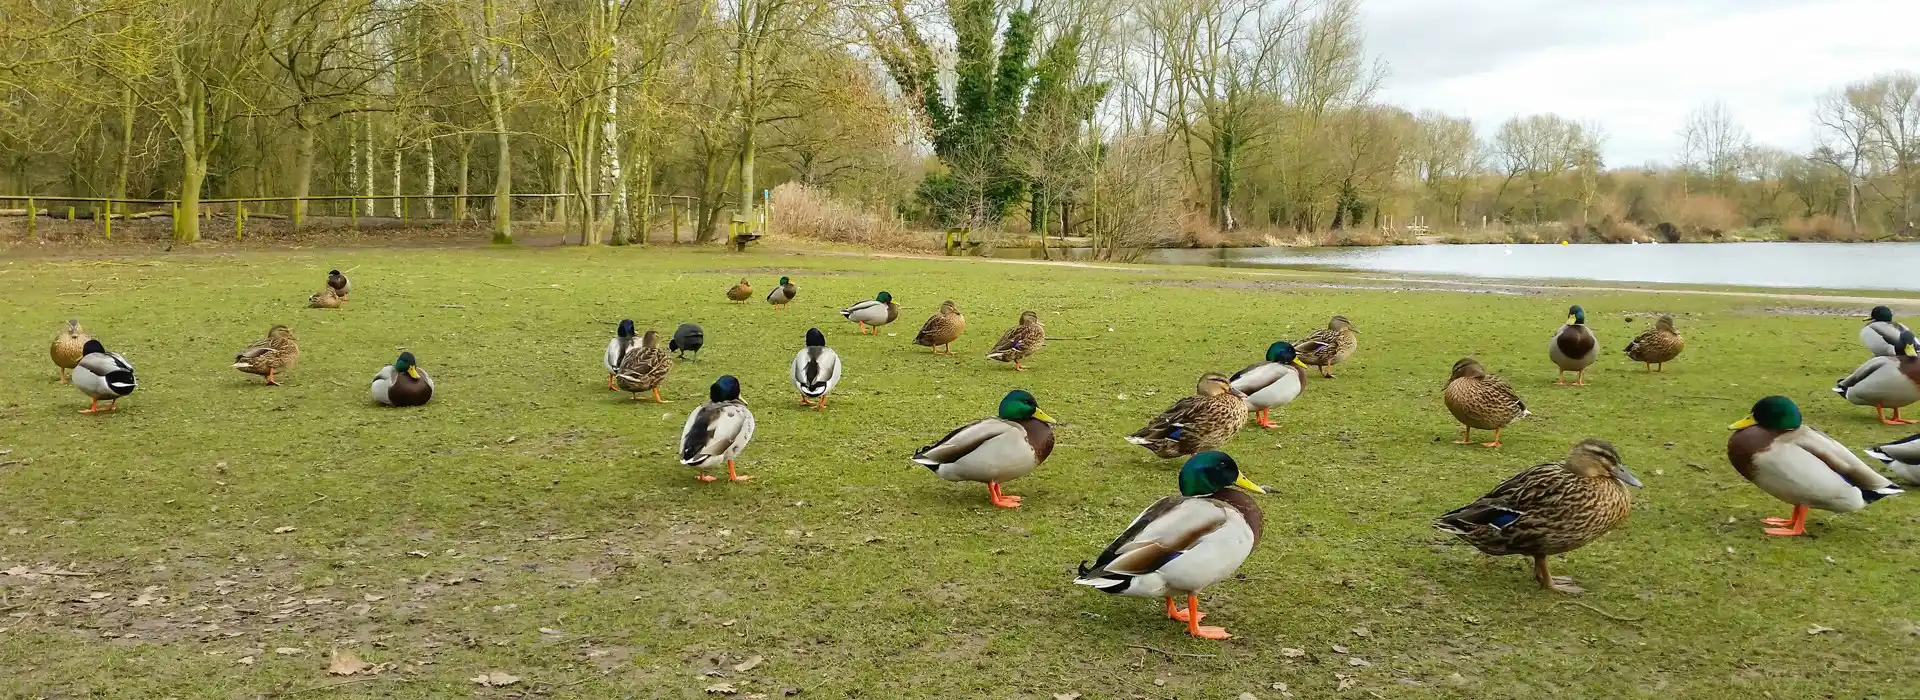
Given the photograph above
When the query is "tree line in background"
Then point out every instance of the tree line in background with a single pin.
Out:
(1131, 122)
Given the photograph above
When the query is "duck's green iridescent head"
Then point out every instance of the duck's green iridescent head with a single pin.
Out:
(724, 389)
(1211, 472)
(405, 365)
(783, 281)
(1906, 344)
(1020, 405)
(884, 298)
(1772, 413)
(1283, 353)
(1576, 316)
(1881, 314)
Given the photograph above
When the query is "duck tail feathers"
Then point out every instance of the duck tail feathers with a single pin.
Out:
(1105, 581)
(1875, 453)
(1137, 440)
(1872, 495)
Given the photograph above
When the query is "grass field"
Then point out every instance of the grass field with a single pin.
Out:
(532, 523)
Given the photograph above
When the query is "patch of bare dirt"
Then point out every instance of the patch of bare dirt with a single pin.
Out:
(1806, 311)
(1277, 285)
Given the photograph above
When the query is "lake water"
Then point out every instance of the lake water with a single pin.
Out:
(1889, 266)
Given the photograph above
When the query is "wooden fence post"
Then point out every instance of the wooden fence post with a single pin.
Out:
(353, 205)
(240, 221)
(33, 218)
(107, 223)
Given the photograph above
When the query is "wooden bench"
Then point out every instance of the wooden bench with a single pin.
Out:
(740, 233)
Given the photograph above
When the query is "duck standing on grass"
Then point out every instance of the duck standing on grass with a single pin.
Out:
(275, 353)
(644, 368)
(994, 450)
(688, 338)
(942, 329)
(339, 284)
(69, 345)
(1800, 465)
(1549, 509)
(402, 383)
(1881, 335)
(717, 431)
(1902, 456)
(1182, 544)
(1020, 342)
(816, 370)
(1886, 382)
(875, 312)
(1481, 400)
(1329, 346)
(617, 349)
(1573, 348)
(1657, 346)
(1204, 421)
(102, 375)
(740, 291)
(782, 294)
(1271, 384)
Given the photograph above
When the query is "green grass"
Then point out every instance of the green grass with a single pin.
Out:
(542, 501)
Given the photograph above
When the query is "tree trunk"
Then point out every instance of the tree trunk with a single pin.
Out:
(302, 171)
(186, 219)
(1037, 209)
(396, 183)
(366, 183)
(432, 210)
(126, 144)
(460, 203)
(502, 180)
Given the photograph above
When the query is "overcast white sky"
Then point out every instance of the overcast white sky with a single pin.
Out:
(1637, 67)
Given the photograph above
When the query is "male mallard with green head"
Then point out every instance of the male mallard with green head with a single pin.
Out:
(782, 294)
(1795, 463)
(339, 284)
(1182, 544)
(717, 431)
(69, 345)
(1573, 348)
(1881, 335)
(402, 383)
(1271, 384)
(1481, 400)
(102, 376)
(942, 329)
(270, 355)
(1329, 346)
(1886, 382)
(875, 312)
(994, 450)
(1657, 346)
(1206, 420)
(1549, 509)
(644, 368)
(1020, 342)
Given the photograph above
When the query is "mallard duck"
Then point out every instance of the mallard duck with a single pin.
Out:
(875, 312)
(339, 284)
(617, 349)
(102, 375)
(1182, 544)
(994, 450)
(275, 353)
(1206, 420)
(1902, 456)
(402, 383)
(1573, 348)
(688, 338)
(942, 329)
(1549, 509)
(69, 345)
(1271, 384)
(740, 291)
(1329, 346)
(816, 370)
(782, 294)
(1481, 400)
(1800, 465)
(1886, 382)
(1657, 346)
(717, 431)
(1021, 341)
(1881, 335)
(326, 298)
(644, 368)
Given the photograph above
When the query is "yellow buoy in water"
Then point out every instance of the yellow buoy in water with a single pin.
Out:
(1563, 242)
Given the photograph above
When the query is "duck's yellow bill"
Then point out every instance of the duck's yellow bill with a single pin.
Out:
(1042, 415)
(413, 372)
(1242, 482)
(1298, 363)
(1743, 423)
(1571, 319)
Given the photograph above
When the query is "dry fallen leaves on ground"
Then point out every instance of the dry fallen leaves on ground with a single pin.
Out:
(751, 663)
(495, 679)
(343, 662)
(722, 688)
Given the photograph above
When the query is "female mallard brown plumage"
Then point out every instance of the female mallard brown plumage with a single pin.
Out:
(1204, 421)
(1329, 346)
(1549, 509)
(275, 353)
(1481, 400)
(1657, 346)
(69, 345)
(1184, 543)
(1800, 465)
(994, 450)
(326, 298)
(740, 291)
(644, 368)
(1886, 382)
(1574, 348)
(1021, 341)
(942, 329)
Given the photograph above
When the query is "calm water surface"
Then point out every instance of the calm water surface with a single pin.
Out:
(1894, 266)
